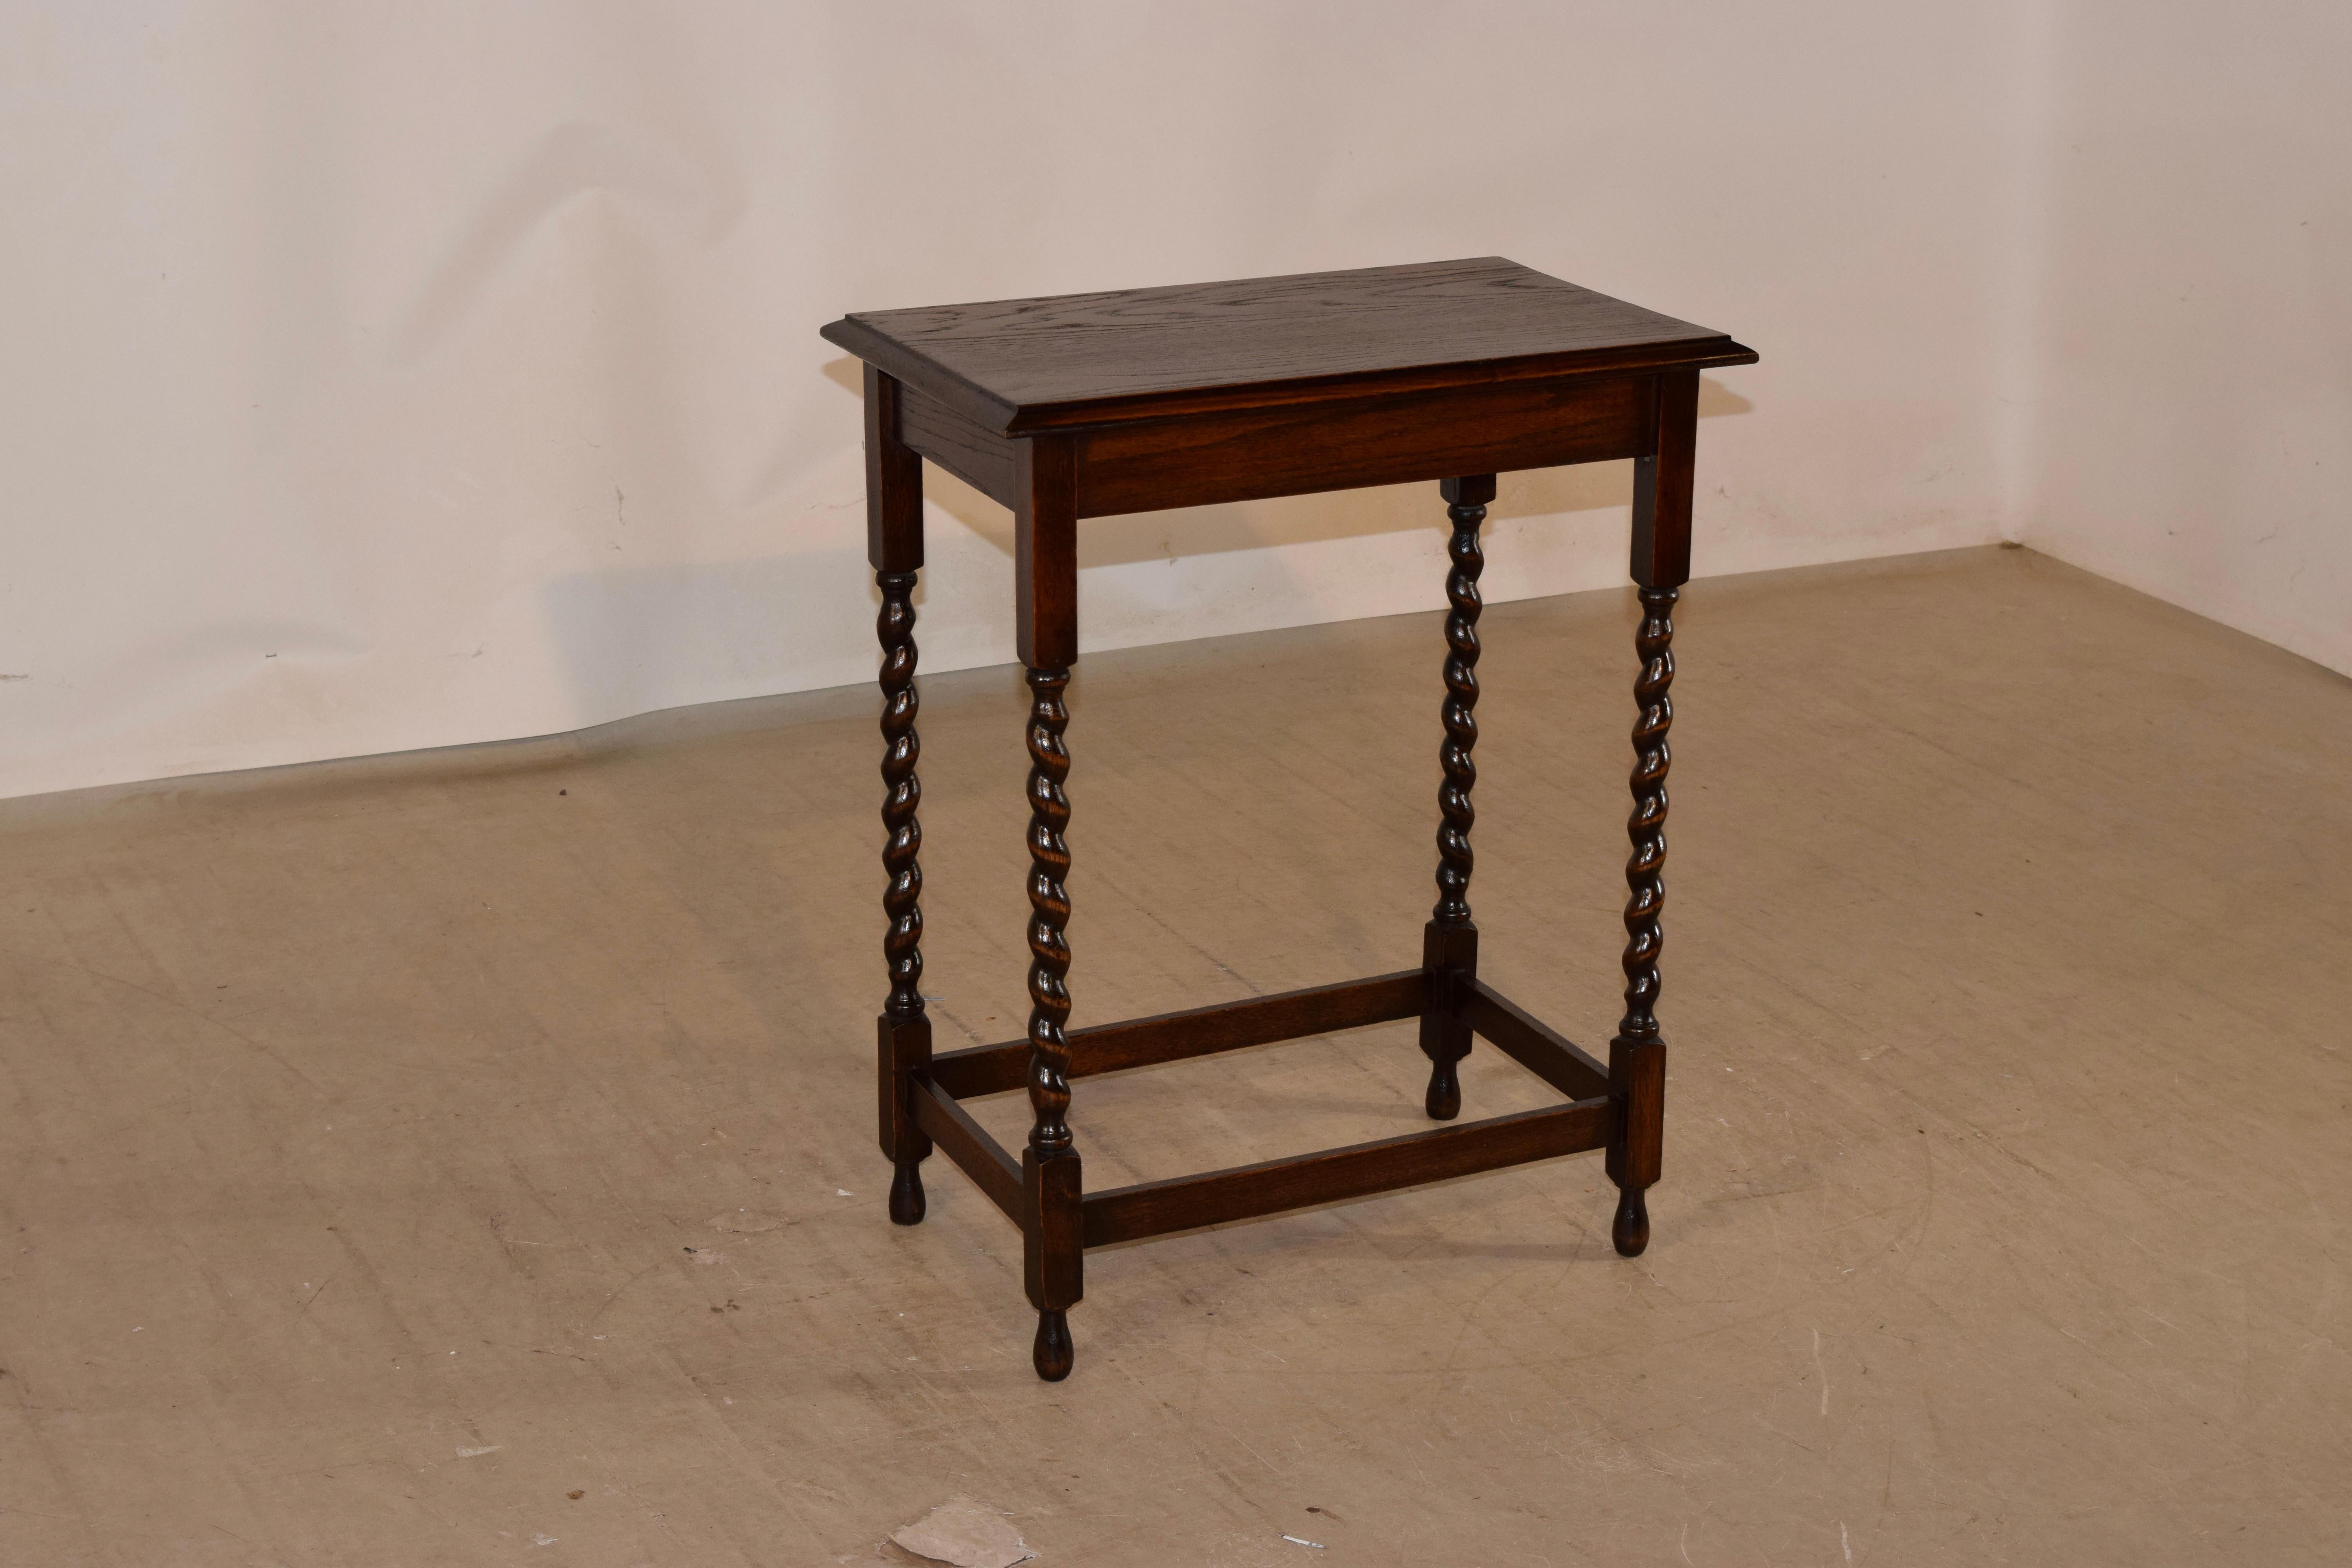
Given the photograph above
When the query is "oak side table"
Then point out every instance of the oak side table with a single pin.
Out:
(1092, 404)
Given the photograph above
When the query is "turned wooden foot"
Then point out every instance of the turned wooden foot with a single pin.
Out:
(1631, 1230)
(1053, 1352)
(907, 1194)
(1444, 1100)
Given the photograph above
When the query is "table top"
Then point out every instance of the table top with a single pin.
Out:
(1021, 366)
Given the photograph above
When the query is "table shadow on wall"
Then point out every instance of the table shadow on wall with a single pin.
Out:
(634, 640)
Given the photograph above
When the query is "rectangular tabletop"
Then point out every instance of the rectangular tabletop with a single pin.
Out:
(1017, 367)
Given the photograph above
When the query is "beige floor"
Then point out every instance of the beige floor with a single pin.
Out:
(468, 1158)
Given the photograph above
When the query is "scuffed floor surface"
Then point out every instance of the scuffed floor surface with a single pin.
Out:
(468, 1158)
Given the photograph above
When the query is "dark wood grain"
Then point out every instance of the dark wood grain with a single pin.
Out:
(1298, 448)
(1449, 961)
(1637, 1055)
(903, 1053)
(1466, 510)
(894, 482)
(1095, 404)
(1049, 913)
(1053, 1253)
(1637, 1078)
(1450, 942)
(894, 541)
(1661, 487)
(902, 797)
(1062, 361)
(1196, 1032)
(1646, 901)
(980, 458)
(994, 1172)
(1154, 1208)
(1534, 1045)
(1253, 453)
(1046, 552)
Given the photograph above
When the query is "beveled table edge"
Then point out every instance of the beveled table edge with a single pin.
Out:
(1005, 419)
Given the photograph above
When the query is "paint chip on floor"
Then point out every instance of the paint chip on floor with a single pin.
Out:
(967, 1534)
(477, 1453)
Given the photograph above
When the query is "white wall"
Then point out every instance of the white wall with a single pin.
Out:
(2189, 412)
(388, 376)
